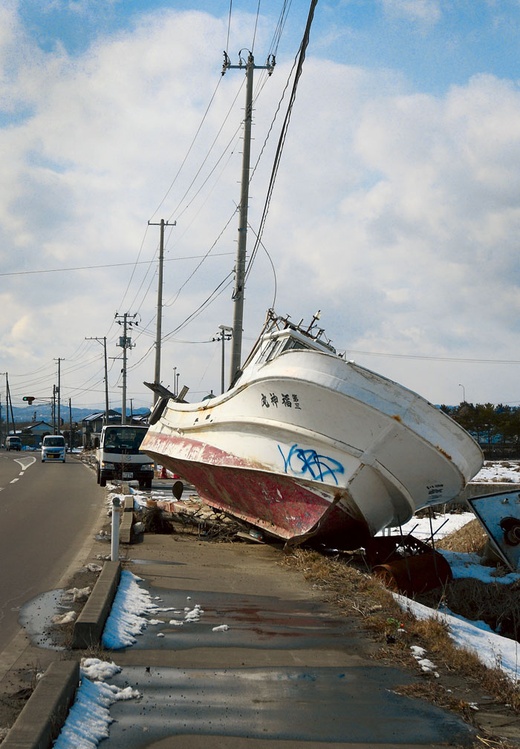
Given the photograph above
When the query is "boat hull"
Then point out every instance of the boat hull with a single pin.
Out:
(279, 505)
(309, 445)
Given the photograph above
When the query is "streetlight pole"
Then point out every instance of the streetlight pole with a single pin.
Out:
(463, 393)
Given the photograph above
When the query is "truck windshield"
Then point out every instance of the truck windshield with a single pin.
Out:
(127, 440)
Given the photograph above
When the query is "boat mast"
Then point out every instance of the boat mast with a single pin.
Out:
(240, 265)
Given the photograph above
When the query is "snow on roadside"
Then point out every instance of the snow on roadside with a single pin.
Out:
(126, 618)
(89, 718)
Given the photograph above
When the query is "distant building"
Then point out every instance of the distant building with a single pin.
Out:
(32, 433)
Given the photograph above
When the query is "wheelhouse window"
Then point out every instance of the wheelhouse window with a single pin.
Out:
(294, 343)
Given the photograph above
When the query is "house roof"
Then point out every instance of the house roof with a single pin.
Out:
(33, 424)
(100, 414)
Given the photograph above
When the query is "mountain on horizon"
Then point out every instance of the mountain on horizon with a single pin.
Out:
(44, 413)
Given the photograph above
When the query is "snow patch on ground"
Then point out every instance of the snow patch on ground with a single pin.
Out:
(89, 718)
(126, 619)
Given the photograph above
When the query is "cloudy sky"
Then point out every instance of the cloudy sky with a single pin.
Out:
(396, 209)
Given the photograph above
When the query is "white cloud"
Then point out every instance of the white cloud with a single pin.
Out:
(423, 11)
(396, 212)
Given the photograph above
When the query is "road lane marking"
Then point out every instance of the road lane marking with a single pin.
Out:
(25, 462)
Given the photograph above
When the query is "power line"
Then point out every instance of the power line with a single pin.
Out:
(110, 265)
(460, 360)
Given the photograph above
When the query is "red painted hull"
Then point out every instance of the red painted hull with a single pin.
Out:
(278, 504)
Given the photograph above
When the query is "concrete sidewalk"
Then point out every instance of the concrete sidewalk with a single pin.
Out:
(285, 670)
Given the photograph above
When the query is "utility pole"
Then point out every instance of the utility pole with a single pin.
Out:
(127, 321)
(158, 335)
(8, 405)
(7, 412)
(58, 394)
(225, 334)
(71, 438)
(103, 342)
(240, 266)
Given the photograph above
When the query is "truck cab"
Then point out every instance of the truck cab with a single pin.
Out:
(13, 443)
(118, 456)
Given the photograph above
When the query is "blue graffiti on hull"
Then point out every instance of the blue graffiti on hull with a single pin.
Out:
(308, 463)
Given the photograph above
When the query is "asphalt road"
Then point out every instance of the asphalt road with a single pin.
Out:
(47, 514)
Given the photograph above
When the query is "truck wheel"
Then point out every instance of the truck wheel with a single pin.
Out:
(98, 476)
(149, 484)
(102, 481)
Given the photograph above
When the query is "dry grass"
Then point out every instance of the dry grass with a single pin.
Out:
(471, 538)
(355, 592)
(496, 604)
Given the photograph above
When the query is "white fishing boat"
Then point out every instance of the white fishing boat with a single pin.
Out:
(307, 444)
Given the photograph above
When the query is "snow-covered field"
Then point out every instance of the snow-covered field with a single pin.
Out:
(506, 471)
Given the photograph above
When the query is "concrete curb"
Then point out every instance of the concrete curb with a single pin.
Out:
(43, 716)
(89, 625)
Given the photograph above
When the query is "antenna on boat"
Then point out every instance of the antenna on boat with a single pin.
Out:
(314, 320)
(240, 266)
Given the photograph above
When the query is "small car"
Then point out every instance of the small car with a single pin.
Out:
(53, 448)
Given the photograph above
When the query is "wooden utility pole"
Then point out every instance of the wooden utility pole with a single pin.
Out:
(240, 266)
(158, 334)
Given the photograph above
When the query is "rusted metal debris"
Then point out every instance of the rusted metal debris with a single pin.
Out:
(406, 564)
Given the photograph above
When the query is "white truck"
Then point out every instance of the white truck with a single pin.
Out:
(118, 456)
